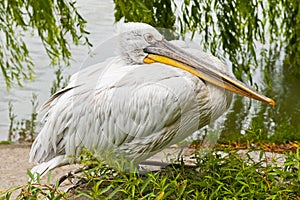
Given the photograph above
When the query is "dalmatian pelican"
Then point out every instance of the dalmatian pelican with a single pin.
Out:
(153, 93)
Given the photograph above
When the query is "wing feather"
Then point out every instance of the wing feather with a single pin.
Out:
(127, 114)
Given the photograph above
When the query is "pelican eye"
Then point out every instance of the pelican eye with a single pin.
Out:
(149, 38)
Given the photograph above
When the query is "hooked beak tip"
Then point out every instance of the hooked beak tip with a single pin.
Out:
(272, 102)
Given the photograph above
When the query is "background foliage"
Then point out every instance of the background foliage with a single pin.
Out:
(56, 22)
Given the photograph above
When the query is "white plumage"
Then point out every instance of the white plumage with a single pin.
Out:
(127, 108)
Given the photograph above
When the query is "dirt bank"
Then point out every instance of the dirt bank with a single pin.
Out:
(14, 165)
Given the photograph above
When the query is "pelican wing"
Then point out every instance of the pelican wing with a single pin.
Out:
(123, 112)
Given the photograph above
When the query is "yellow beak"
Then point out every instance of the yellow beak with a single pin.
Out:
(166, 53)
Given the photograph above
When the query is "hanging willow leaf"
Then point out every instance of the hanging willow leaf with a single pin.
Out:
(52, 20)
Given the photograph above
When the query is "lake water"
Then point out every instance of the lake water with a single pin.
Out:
(100, 25)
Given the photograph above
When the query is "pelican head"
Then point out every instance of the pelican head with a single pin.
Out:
(133, 38)
(142, 43)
